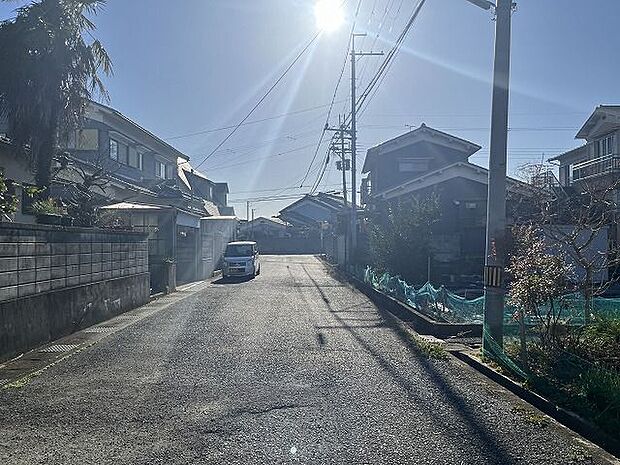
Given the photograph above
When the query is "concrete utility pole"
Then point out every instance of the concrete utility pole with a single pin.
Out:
(344, 164)
(494, 289)
(354, 56)
(253, 210)
(353, 146)
(339, 148)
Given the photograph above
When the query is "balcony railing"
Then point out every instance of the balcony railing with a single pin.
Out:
(596, 167)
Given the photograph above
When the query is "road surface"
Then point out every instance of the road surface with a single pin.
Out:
(292, 367)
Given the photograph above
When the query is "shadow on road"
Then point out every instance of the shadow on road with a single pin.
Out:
(243, 279)
(488, 441)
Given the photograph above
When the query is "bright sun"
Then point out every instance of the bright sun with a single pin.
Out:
(329, 15)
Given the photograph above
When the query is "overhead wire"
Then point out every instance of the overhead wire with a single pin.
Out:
(262, 99)
(379, 76)
(377, 34)
(247, 123)
(342, 70)
(382, 69)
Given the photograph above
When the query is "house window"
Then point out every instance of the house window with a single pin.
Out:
(604, 146)
(413, 165)
(160, 170)
(113, 149)
(123, 153)
(84, 139)
(169, 172)
(135, 158)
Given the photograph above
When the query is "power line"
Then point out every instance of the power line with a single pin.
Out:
(387, 62)
(320, 142)
(272, 198)
(344, 66)
(242, 151)
(550, 128)
(256, 121)
(225, 166)
(317, 182)
(382, 23)
(470, 115)
(273, 86)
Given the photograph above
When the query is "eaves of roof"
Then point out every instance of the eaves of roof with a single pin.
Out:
(146, 132)
(460, 169)
(467, 146)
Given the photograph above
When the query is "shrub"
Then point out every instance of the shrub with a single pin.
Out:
(46, 207)
(601, 390)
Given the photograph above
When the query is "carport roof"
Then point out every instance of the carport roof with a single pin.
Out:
(132, 206)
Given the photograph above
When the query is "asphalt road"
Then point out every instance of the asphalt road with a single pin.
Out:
(292, 367)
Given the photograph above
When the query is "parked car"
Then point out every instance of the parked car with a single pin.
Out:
(241, 259)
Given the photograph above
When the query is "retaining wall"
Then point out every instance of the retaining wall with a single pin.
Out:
(54, 281)
(420, 322)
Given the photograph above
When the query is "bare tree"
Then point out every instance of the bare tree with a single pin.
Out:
(539, 277)
(579, 221)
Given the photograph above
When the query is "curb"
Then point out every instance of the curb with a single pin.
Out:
(566, 418)
(420, 322)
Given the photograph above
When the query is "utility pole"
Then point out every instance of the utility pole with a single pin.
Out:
(343, 160)
(354, 56)
(253, 210)
(339, 148)
(494, 289)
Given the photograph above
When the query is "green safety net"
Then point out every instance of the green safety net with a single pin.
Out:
(589, 386)
(446, 306)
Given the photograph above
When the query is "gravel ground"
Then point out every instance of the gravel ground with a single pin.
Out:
(292, 367)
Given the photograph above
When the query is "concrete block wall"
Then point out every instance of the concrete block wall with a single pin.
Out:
(36, 259)
(55, 281)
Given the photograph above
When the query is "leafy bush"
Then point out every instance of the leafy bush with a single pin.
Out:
(400, 237)
(46, 207)
(601, 390)
(601, 342)
(8, 201)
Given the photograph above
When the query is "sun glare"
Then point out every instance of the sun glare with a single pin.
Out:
(329, 15)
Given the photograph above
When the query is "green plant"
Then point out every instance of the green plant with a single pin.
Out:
(401, 236)
(46, 207)
(601, 342)
(601, 390)
(8, 200)
(50, 69)
(539, 278)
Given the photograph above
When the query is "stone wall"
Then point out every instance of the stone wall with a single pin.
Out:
(54, 281)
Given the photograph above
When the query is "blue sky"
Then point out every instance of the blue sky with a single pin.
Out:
(202, 64)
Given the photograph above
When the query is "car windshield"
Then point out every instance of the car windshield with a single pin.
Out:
(239, 250)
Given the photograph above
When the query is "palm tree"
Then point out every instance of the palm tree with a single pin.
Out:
(50, 68)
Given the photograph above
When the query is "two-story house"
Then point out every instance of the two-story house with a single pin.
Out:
(599, 157)
(149, 185)
(172, 197)
(427, 162)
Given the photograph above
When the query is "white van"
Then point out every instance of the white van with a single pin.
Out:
(241, 259)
